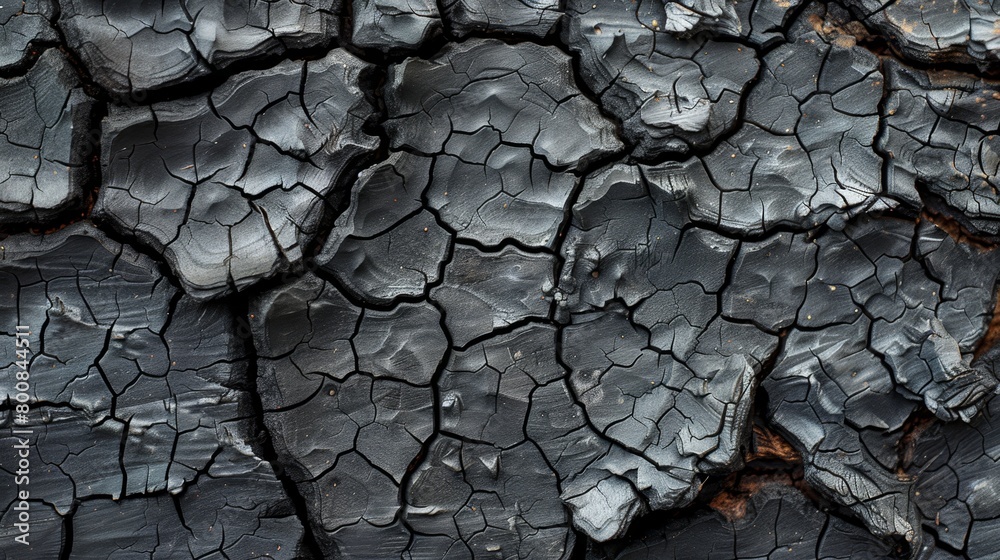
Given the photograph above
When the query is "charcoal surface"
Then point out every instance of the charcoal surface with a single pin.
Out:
(141, 410)
(964, 32)
(133, 48)
(393, 25)
(944, 153)
(230, 186)
(774, 521)
(671, 94)
(311, 279)
(43, 154)
(24, 26)
(535, 18)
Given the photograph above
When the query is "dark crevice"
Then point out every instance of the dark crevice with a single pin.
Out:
(264, 445)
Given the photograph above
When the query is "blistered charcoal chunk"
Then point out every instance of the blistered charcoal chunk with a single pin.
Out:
(927, 360)
(838, 387)
(764, 22)
(399, 262)
(382, 247)
(773, 271)
(348, 448)
(938, 127)
(527, 90)
(967, 278)
(487, 502)
(670, 93)
(826, 386)
(605, 486)
(534, 18)
(629, 240)
(302, 334)
(393, 25)
(210, 520)
(953, 467)
(774, 521)
(489, 191)
(805, 155)
(676, 397)
(306, 334)
(654, 405)
(503, 173)
(141, 394)
(486, 389)
(384, 195)
(122, 376)
(132, 48)
(231, 186)
(964, 33)
(347, 421)
(45, 145)
(407, 343)
(608, 242)
(486, 291)
(23, 25)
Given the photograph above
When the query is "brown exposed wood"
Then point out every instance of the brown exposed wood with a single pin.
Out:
(957, 231)
(769, 445)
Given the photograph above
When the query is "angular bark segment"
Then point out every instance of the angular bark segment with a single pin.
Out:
(535, 18)
(486, 291)
(944, 151)
(393, 25)
(774, 521)
(45, 143)
(23, 25)
(964, 32)
(532, 102)
(871, 333)
(672, 94)
(137, 393)
(132, 48)
(231, 186)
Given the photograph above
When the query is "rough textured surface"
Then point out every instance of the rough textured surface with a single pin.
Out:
(954, 465)
(391, 25)
(858, 349)
(962, 31)
(775, 521)
(231, 186)
(530, 92)
(132, 48)
(939, 133)
(42, 157)
(671, 94)
(24, 26)
(141, 409)
(511, 279)
(535, 18)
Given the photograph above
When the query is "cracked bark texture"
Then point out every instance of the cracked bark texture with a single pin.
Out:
(507, 279)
